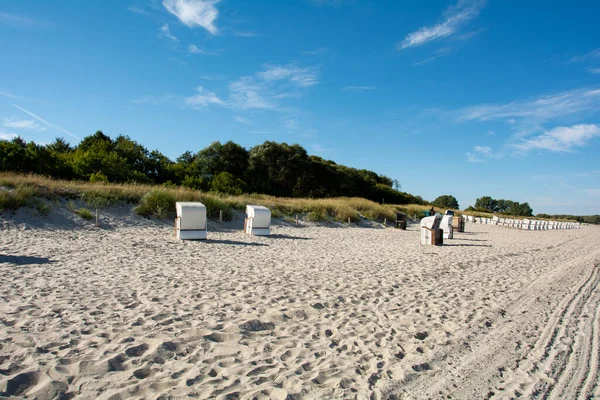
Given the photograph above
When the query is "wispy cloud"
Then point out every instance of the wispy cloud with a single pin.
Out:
(315, 52)
(18, 21)
(358, 88)
(301, 76)
(14, 123)
(5, 93)
(213, 77)
(7, 135)
(43, 121)
(540, 109)
(165, 32)
(437, 54)
(243, 120)
(594, 70)
(560, 139)
(193, 49)
(481, 154)
(266, 88)
(246, 34)
(203, 98)
(455, 18)
(195, 13)
(136, 8)
(588, 56)
(593, 192)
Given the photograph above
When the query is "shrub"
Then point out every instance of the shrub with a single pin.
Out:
(85, 213)
(227, 183)
(42, 208)
(214, 205)
(98, 177)
(317, 215)
(157, 202)
(18, 197)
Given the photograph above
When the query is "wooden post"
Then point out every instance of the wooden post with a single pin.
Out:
(296, 219)
(385, 222)
(348, 220)
(221, 217)
(97, 218)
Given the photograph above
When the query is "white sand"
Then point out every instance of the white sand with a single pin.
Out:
(311, 312)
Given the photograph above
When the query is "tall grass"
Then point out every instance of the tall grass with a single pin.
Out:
(160, 201)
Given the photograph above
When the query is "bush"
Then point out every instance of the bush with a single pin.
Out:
(42, 208)
(214, 205)
(85, 213)
(157, 202)
(16, 198)
(226, 183)
(98, 177)
(317, 215)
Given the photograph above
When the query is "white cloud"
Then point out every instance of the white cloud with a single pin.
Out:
(246, 34)
(540, 109)
(46, 122)
(243, 120)
(193, 49)
(301, 76)
(22, 124)
(593, 192)
(317, 148)
(203, 99)
(195, 12)
(18, 21)
(247, 93)
(588, 56)
(135, 8)
(483, 149)
(166, 32)
(454, 18)
(5, 93)
(266, 88)
(7, 135)
(594, 70)
(472, 158)
(357, 88)
(562, 138)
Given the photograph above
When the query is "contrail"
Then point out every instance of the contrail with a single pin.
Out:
(46, 122)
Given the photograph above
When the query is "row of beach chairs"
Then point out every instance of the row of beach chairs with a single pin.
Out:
(191, 222)
(525, 224)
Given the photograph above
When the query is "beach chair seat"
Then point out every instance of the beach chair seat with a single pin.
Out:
(191, 222)
(446, 226)
(431, 234)
(258, 220)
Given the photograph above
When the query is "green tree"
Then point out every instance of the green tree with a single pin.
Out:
(446, 201)
(227, 183)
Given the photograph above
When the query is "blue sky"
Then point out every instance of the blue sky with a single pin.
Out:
(468, 98)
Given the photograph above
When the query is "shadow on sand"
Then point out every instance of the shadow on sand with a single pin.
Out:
(279, 236)
(233, 242)
(468, 245)
(25, 260)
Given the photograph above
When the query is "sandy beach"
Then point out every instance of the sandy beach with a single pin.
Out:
(312, 311)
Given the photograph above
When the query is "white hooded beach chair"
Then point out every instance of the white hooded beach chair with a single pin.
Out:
(429, 231)
(258, 220)
(446, 226)
(191, 223)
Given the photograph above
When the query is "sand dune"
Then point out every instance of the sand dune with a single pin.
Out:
(310, 312)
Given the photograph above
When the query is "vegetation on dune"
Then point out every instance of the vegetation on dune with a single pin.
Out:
(276, 169)
(507, 207)
(446, 201)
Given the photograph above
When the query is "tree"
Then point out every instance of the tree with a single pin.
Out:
(226, 183)
(446, 201)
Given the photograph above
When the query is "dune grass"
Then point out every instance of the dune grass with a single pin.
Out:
(159, 201)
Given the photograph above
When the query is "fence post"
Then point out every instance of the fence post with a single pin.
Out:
(348, 220)
(97, 218)
(385, 222)
(296, 219)
(221, 217)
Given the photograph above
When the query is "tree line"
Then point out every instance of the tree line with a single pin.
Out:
(272, 168)
(501, 206)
